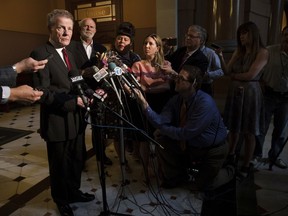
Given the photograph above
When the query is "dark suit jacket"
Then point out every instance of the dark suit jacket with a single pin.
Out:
(81, 57)
(59, 113)
(197, 59)
(83, 62)
(7, 76)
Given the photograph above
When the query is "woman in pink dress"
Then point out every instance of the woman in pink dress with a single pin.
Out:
(152, 73)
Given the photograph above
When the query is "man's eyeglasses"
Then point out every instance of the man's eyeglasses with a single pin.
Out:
(191, 36)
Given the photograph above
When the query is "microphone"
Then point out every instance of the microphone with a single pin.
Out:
(76, 80)
(95, 94)
(118, 71)
(101, 75)
(131, 76)
(97, 75)
(126, 78)
(112, 66)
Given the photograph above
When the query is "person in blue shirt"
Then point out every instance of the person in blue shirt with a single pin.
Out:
(196, 135)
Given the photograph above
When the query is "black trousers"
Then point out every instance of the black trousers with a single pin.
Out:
(65, 167)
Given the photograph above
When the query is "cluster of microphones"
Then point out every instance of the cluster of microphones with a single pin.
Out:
(112, 68)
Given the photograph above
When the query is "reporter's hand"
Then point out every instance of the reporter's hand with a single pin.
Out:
(101, 93)
(219, 52)
(30, 64)
(80, 102)
(167, 70)
(25, 93)
(140, 99)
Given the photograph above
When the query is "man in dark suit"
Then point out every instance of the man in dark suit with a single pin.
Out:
(8, 77)
(86, 51)
(190, 54)
(60, 113)
(87, 54)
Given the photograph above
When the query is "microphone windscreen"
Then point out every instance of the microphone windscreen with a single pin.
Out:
(111, 66)
(89, 72)
(88, 75)
(74, 72)
(89, 93)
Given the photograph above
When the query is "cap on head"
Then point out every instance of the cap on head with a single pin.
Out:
(126, 28)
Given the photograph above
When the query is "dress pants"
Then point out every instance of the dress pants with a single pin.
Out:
(65, 167)
(275, 105)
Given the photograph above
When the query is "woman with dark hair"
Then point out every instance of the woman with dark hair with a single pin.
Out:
(244, 103)
(122, 48)
(123, 44)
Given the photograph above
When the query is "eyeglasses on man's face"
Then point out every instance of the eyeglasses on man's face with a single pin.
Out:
(191, 36)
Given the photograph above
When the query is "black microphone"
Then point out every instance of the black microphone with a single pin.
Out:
(77, 80)
(118, 71)
(92, 94)
(126, 79)
(126, 74)
(131, 76)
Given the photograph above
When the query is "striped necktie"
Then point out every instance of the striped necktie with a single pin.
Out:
(184, 59)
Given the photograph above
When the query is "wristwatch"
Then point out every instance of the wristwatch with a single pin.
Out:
(14, 68)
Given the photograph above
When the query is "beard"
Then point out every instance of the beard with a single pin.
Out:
(88, 35)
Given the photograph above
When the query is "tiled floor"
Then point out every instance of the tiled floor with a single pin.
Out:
(24, 188)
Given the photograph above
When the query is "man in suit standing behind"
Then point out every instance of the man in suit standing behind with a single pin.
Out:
(191, 53)
(87, 54)
(60, 113)
(86, 51)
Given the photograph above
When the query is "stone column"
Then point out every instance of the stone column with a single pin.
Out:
(277, 8)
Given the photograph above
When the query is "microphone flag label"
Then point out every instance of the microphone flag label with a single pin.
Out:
(100, 74)
(76, 79)
(118, 71)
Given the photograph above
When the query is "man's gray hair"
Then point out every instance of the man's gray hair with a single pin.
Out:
(53, 15)
(82, 21)
(201, 31)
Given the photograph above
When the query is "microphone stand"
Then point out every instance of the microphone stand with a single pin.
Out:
(100, 157)
(133, 126)
(100, 115)
(101, 108)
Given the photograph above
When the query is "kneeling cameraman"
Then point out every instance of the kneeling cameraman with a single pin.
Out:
(190, 128)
